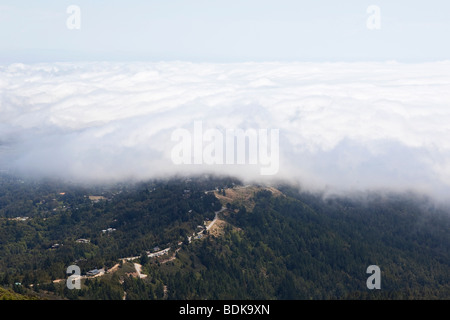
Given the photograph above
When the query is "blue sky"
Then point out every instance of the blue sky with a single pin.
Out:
(224, 31)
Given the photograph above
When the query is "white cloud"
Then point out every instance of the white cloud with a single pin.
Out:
(343, 126)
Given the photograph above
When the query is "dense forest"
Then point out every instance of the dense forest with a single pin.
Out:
(40, 224)
(286, 244)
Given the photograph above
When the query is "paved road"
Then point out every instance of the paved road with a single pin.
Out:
(215, 218)
(138, 267)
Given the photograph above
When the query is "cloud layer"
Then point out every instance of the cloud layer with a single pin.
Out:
(343, 126)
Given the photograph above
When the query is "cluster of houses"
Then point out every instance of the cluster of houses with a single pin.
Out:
(109, 230)
(158, 253)
(152, 254)
(198, 235)
(20, 218)
(57, 245)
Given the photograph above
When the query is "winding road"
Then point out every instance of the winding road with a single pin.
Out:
(215, 218)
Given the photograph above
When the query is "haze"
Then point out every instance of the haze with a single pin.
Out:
(342, 126)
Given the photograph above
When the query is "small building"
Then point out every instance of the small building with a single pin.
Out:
(108, 230)
(83, 241)
(159, 253)
(92, 273)
(20, 218)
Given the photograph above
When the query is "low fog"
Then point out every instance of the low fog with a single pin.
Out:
(343, 127)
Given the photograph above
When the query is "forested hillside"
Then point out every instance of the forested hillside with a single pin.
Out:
(40, 229)
(270, 243)
(303, 247)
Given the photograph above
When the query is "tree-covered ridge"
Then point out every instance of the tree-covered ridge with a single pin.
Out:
(325, 246)
(304, 247)
(38, 244)
(275, 244)
(12, 295)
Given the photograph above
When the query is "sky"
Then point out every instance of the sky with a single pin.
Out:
(224, 31)
(357, 91)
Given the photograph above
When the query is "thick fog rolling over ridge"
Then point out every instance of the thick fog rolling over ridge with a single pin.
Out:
(342, 126)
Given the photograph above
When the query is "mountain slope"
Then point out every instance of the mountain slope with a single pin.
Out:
(304, 247)
(269, 243)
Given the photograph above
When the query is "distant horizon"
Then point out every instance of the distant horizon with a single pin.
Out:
(224, 31)
(219, 62)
